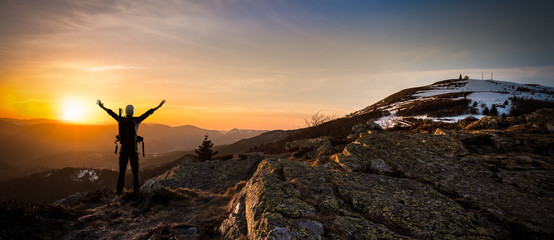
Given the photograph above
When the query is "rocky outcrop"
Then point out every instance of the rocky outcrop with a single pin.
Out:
(367, 127)
(443, 163)
(215, 176)
(310, 148)
(540, 121)
(292, 200)
(396, 186)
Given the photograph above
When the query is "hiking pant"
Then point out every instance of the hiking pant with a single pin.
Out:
(124, 158)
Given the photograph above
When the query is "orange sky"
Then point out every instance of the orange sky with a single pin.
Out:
(250, 65)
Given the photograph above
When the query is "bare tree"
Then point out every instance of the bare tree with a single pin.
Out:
(318, 119)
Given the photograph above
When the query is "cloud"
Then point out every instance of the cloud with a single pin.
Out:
(112, 67)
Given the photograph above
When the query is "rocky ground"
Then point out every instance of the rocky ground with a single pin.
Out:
(486, 179)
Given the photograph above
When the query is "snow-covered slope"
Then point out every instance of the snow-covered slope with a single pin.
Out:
(451, 100)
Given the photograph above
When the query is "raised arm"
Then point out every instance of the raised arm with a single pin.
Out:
(149, 112)
(109, 111)
(159, 106)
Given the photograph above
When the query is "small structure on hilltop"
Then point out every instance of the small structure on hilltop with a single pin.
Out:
(465, 77)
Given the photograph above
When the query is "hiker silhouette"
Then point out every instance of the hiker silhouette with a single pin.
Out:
(128, 128)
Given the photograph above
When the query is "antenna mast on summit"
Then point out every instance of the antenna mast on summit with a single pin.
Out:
(491, 75)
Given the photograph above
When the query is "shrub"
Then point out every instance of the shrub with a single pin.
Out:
(494, 111)
(318, 119)
(486, 111)
(521, 106)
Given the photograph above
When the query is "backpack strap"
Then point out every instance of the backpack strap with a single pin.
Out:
(140, 139)
(115, 142)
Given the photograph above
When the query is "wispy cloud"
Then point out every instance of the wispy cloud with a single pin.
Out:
(112, 67)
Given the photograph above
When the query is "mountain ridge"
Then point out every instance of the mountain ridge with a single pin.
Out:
(37, 144)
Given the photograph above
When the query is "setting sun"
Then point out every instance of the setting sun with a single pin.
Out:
(73, 111)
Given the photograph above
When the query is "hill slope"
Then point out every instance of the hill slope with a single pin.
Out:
(451, 100)
(444, 101)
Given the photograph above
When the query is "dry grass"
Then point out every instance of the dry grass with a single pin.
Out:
(24, 220)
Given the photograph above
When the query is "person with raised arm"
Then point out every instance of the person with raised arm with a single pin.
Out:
(128, 128)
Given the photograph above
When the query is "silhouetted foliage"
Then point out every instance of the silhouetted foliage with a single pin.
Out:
(521, 106)
(493, 111)
(486, 111)
(318, 119)
(205, 151)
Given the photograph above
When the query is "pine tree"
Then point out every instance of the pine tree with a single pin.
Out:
(494, 111)
(486, 111)
(205, 151)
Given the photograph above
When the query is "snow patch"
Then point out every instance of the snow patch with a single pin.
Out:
(84, 175)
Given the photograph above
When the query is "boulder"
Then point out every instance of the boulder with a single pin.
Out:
(311, 148)
(369, 126)
(466, 121)
(541, 116)
(487, 122)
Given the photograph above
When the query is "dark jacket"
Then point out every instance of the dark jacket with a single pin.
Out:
(128, 128)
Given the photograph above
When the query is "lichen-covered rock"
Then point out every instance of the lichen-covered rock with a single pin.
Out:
(292, 200)
(487, 122)
(367, 127)
(234, 226)
(310, 148)
(545, 115)
(356, 159)
(443, 163)
(466, 121)
(216, 175)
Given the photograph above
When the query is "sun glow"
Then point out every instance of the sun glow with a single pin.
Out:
(73, 110)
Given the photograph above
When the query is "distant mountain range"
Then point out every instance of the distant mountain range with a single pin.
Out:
(50, 144)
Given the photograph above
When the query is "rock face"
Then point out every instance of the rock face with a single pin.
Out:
(395, 186)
